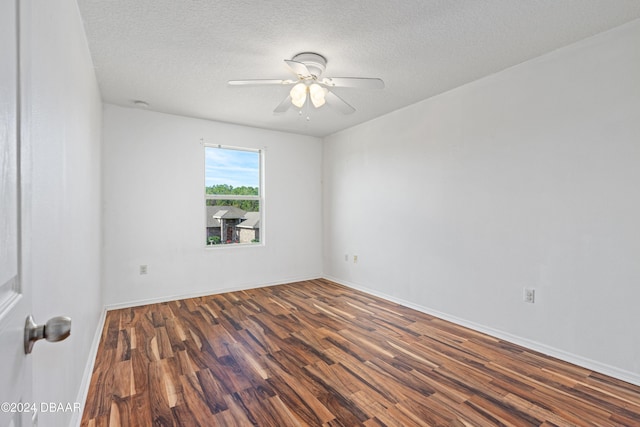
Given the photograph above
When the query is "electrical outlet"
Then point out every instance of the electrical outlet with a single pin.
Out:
(355, 259)
(346, 257)
(529, 295)
(143, 269)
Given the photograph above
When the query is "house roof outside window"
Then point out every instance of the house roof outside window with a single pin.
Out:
(216, 213)
(252, 220)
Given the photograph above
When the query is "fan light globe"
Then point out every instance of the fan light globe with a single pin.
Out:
(317, 94)
(298, 94)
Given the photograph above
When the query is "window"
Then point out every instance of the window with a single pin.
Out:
(233, 195)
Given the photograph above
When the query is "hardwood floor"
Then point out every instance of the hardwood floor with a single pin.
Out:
(320, 354)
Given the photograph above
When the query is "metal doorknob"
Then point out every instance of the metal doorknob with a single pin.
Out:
(56, 329)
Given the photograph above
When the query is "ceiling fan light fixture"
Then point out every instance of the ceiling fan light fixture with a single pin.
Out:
(317, 94)
(298, 94)
(310, 87)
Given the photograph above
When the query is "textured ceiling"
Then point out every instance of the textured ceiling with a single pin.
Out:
(178, 55)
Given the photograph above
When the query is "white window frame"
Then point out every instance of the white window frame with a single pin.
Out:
(259, 197)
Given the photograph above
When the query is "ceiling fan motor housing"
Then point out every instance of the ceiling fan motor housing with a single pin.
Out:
(316, 64)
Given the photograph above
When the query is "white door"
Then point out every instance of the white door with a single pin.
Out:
(15, 298)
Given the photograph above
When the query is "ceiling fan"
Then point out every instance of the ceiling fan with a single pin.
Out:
(309, 85)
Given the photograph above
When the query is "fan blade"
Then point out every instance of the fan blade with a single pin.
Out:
(260, 82)
(284, 105)
(298, 68)
(358, 82)
(338, 103)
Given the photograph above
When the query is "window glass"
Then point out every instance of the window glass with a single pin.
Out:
(232, 196)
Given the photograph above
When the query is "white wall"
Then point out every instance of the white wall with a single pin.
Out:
(529, 177)
(62, 119)
(154, 208)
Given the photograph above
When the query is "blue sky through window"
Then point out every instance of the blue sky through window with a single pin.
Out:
(233, 167)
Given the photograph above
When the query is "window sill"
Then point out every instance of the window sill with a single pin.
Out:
(233, 245)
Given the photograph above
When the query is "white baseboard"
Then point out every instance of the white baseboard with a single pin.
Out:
(76, 418)
(584, 362)
(243, 287)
